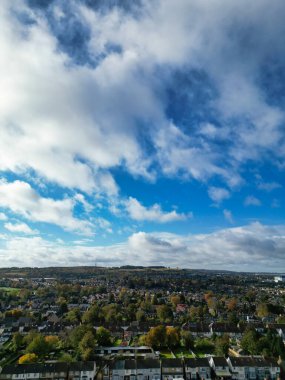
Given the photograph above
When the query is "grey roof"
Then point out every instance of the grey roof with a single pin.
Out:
(81, 366)
(124, 364)
(197, 362)
(171, 363)
(220, 361)
(148, 363)
(34, 368)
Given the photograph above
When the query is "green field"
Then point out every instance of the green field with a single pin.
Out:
(166, 354)
(10, 290)
(180, 352)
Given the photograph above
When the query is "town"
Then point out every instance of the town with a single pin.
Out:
(141, 323)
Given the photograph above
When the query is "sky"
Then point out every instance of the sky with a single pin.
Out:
(142, 132)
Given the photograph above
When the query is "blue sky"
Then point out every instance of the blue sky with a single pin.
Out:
(142, 132)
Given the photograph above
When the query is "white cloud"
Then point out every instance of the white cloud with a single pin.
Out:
(22, 199)
(3, 216)
(218, 194)
(153, 213)
(81, 199)
(269, 186)
(254, 247)
(20, 227)
(250, 200)
(72, 124)
(228, 216)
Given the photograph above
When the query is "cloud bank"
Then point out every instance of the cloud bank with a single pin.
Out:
(241, 248)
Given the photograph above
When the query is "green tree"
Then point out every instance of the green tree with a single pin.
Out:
(103, 337)
(77, 334)
(164, 313)
(73, 316)
(38, 346)
(187, 339)
(17, 341)
(222, 345)
(249, 341)
(91, 315)
(87, 345)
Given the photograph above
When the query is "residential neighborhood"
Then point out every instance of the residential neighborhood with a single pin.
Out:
(141, 323)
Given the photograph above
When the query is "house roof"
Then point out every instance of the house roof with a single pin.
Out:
(148, 363)
(124, 364)
(81, 366)
(197, 362)
(252, 361)
(34, 368)
(171, 363)
(220, 361)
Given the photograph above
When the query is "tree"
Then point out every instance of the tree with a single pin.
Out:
(87, 342)
(164, 313)
(73, 316)
(262, 310)
(103, 337)
(156, 337)
(67, 358)
(28, 358)
(249, 341)
(222, 345)
(140, 315)
(172, 336)
(38, 346)
(232, 304)
(17, 341)
(175, 300)
(91, 315)
(52, 341)
(77, 334)
(187, 339)
(204, 345)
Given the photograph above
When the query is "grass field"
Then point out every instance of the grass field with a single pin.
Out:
(180, 352)
(9, 290)
(166, 354)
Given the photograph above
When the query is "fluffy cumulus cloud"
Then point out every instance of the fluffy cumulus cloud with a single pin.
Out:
(218, 194)
(251, 200)
(22, 199)
(242, 248)
(20, 228)
(154, 213)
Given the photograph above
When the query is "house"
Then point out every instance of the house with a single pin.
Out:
(172, 369)
(123, 370)
(226, 328)
(253, 367)
(148, 369)
(47, 371)
(126, 351)
(242, 367)
(181, 308)
(220, 367)
(82, 370)
(266, 368)
(200, 330)
(50, 371)
(197, 368)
